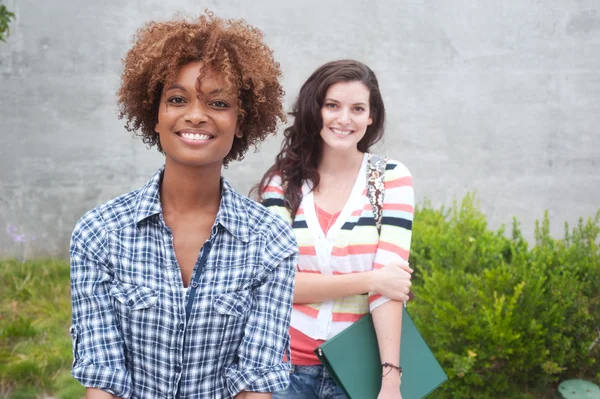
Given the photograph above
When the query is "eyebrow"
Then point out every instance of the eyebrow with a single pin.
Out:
(336, 101)
(219, 90)
(175, 86)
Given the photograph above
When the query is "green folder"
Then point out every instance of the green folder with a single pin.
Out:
(352, 358)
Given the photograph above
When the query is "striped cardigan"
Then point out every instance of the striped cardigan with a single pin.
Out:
(351, 245)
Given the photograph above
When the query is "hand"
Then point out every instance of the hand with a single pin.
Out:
(393, 281)
(390, 387)
(253, 395)
(95, 393)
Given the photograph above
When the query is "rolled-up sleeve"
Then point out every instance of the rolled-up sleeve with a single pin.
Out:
(261, 367)
(98, 352)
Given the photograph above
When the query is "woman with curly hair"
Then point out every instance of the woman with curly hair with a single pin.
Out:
(352, 214)
(183, 288)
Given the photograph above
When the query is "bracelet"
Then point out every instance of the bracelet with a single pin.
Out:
(391, 366)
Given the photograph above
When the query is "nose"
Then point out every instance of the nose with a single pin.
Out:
(196, 113)
(344, 117)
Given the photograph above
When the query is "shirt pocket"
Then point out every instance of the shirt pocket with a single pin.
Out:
(232, 311)
(235, 304)
(133, 297)
(135, 314)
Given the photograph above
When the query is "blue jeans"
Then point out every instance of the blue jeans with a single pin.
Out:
(310, 382)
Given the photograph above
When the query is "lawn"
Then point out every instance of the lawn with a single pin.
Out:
(35, 346)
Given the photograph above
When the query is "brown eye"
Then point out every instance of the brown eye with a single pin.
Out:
(176, 100)
(220, 104)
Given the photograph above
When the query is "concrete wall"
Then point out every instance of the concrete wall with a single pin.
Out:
(501, 97)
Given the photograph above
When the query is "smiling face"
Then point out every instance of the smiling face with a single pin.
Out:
(346, 115)
(197, 123)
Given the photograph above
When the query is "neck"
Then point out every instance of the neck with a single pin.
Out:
(185, 189)
(340, 162)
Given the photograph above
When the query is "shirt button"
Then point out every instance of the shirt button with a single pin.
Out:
(181, 326)
(239, 309)
(130, 303)
(194, 284)
(178, 369)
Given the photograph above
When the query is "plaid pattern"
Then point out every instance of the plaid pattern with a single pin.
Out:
(135, 332)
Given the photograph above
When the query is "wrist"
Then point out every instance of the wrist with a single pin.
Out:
(370, 281)
(390, 373)
(391, 380)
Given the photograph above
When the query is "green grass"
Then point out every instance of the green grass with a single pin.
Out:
(35, 315)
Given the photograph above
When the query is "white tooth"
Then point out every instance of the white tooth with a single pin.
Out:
(338, 131)
(196, 136)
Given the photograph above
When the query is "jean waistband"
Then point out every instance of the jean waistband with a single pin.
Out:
(316, 370)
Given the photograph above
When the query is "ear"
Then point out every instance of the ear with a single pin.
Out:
(370, 120)
(238, 132)
(156, 128)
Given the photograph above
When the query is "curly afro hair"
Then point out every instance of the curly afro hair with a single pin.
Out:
(232, 46)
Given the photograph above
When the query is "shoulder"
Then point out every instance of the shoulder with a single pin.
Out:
(273, 198)
(263, 221)
(273, 188)
(110, 215)
(275, 232)
(397, 175)
(398, 183)
(396, 168)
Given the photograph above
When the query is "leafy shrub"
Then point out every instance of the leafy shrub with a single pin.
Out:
(504, 319)
(5, 17)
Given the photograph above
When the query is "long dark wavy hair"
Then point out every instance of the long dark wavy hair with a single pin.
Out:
(301, 150)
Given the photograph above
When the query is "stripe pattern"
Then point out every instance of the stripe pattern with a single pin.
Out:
(352, 245)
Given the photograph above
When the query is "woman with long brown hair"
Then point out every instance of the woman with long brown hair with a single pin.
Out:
(353, 225)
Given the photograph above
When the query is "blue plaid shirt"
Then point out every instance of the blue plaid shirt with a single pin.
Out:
(136, 334)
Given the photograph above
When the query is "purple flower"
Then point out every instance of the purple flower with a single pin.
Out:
(19, 238)
(10, 229)
(13, 233)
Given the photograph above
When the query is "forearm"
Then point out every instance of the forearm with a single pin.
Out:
(95, 393)
(316, 287)
(258, 373)
(387, 320)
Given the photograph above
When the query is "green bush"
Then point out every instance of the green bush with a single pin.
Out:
(5, 18)
(504, 319)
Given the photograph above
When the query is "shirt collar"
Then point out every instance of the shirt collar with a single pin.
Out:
(148, 200)
(232, 214)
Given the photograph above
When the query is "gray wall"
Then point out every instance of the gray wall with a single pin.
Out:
(501, 97)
